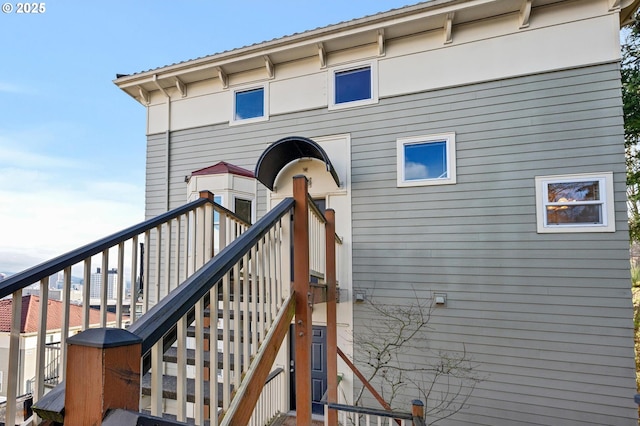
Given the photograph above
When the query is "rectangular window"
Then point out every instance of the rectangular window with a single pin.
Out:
(353, 86)
(249, 105)
(242, 208)
(575, 203)
(426, 160)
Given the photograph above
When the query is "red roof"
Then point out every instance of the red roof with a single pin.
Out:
(223, 167)
(31, 311)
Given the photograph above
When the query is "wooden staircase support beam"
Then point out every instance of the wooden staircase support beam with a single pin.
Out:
(303, 321)
(332, 331)
(364, 381)
(249, 392)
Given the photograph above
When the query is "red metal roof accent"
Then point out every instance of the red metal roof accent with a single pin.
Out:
(31, 310)
(223, 167)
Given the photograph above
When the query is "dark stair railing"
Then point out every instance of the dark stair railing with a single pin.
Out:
(245, 274)
(167, 241)
(249, 281)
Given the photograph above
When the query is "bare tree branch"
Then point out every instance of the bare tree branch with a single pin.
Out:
(387, 351)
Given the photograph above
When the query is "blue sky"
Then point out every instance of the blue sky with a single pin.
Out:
(72, 145)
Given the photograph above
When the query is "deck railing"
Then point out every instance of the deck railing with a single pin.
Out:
(242, 286)
(155, 255)
(218, 298)
(271, 401)
(357, 416)
(245, 289)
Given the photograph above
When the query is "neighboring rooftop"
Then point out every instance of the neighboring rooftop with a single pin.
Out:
(29, 322)
(221, 168)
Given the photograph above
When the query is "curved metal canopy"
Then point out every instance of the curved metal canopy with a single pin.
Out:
(279, 154)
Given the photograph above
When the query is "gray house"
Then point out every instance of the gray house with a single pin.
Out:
(473, 153)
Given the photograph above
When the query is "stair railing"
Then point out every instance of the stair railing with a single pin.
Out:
(243, 286)
(271, 401)
(246, 286)
(156, 255)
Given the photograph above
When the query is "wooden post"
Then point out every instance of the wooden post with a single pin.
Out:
(332, 331)
(103, 372)
(303, 330)
(207, 194)
(417, 410)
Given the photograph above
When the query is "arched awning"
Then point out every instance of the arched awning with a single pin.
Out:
(279, 154)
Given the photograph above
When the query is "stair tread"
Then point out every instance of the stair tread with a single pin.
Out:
(170, 385)
(191, 332)
(171, 355)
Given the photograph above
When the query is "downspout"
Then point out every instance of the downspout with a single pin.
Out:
(167, 139)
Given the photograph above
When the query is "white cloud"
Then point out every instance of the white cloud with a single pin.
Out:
(52, 203)
(413, 171)
(37, 225)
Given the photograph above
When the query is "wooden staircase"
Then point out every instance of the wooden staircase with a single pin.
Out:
(189, 365)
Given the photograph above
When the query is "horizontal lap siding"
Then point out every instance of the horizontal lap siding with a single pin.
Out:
(546, 319)
(156, 176)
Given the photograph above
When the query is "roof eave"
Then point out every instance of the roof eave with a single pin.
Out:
(319, 35)
(628, 11)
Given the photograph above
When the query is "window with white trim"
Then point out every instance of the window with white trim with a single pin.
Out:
(250, 105)
(575, 203)
(353, 85)
(426, 160)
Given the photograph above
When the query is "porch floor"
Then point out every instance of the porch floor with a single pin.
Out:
(289, 419)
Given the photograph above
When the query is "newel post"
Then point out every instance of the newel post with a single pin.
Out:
(103, 372)
(206, 194)
(417, 410)
(332, 331)
(302, 329)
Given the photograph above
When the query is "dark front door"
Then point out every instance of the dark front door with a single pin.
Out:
(318, 368)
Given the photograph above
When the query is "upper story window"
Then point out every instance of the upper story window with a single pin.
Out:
(353, 86)
(575, 203)
(250, 105)
(426, 160)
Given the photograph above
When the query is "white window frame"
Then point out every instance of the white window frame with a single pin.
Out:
(331, 84)
(1, 379)
(606, 200)
(233, 121)
(449, 138)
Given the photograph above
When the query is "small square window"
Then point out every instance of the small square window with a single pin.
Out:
(249, 105)
(575, 203)
(353, 86)
(426, 160)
